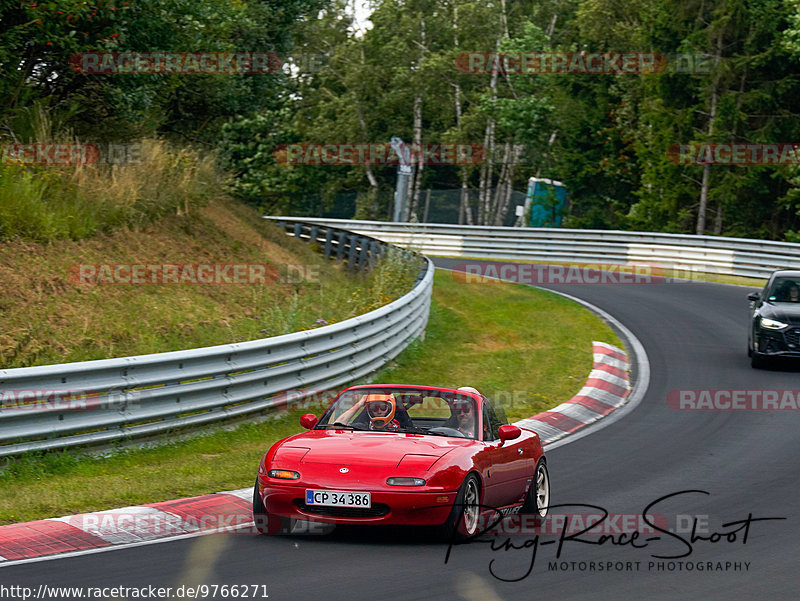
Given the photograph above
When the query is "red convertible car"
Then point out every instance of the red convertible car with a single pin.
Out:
(397, 454)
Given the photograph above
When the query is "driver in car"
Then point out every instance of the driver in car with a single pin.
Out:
(381, 414)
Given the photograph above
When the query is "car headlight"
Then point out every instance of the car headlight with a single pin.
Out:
(772, 324)
(283, 474)
(402, 481)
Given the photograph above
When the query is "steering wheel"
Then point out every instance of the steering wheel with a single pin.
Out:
(447, 431)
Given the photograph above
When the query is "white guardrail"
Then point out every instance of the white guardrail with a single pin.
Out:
(95, 402)
(709, 254)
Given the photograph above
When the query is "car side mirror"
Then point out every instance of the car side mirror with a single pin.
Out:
(509, 432)
(754, 296)
(308, 421)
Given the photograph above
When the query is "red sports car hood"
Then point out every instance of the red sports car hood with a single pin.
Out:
(369, 448)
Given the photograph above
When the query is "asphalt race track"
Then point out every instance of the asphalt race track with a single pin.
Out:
(747, 461)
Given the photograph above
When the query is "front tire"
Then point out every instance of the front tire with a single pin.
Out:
(758, 361)
(464, 519)
(537, 501)
(267, 523)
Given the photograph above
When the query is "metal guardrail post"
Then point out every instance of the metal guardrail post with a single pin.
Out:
(352, 240)
(362, 257)
(340, 245)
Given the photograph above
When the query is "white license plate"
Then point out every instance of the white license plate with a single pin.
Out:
(338, 498)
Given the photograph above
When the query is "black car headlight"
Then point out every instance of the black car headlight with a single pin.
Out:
(772, 324)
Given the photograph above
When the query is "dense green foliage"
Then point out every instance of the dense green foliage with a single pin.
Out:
(37, 41)
(605, 135)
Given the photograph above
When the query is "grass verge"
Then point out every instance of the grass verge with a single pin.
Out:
(529, 348)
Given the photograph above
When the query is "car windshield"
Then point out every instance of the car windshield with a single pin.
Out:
(785, 290)
(402, 409)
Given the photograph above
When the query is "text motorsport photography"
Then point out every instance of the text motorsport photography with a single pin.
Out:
(514, 541)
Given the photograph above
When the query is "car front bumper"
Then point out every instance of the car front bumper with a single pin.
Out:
(407, 507)
(778, 343)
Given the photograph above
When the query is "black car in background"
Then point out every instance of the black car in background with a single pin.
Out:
(775, 319)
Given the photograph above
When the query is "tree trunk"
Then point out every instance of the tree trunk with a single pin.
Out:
(416, 179)
(488, 145)
(742, 83)
(701, 211)
(510, 172)
(491, 206)
(464, 209)
(373, 181)
(718, 221)
(503, 183)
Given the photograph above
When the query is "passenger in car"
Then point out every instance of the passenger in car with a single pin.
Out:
(463, 414)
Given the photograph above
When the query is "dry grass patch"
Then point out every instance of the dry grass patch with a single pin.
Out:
(50, 318)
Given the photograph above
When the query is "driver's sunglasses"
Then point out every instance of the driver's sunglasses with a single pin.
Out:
(380, 406)
(462, 409)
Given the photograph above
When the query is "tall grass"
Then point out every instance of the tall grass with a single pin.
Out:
(48, 202)
(392, 277)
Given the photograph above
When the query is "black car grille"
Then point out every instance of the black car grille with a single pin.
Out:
(377, 510)
(792, 337)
